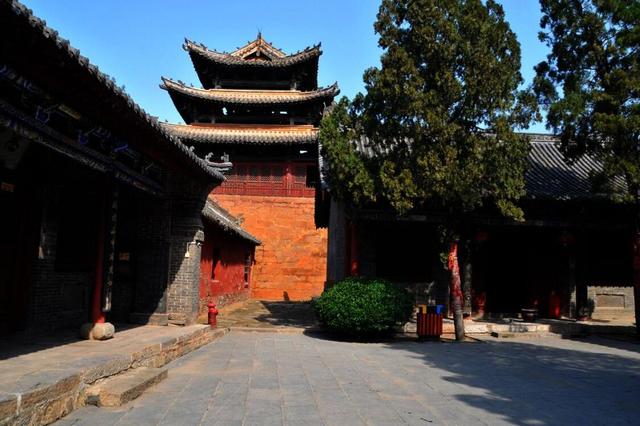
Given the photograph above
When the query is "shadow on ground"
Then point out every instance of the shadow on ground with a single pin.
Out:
(23, 343)
(262, 314)
(550, 381)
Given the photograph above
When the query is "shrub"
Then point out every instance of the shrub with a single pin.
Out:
(363, 307)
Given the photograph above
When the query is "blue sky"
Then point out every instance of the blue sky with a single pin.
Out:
(138, 41)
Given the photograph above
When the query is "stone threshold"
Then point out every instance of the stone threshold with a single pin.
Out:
(40, 396)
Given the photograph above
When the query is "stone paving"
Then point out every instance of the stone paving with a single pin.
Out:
(43, 378)
(272, 315)
(274, 379)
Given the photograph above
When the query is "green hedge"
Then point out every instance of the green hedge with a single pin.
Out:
(363, 307)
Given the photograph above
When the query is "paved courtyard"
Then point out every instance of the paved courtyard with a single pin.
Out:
(272, 379)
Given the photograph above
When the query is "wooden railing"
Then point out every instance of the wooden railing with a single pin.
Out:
(277, 179)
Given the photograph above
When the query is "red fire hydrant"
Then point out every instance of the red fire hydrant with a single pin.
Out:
(213, 314)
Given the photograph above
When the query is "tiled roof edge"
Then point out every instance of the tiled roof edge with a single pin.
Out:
(217, 95)
(229, 59)
(38, 24)
(214, 212)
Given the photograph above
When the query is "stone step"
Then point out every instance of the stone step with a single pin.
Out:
(520, 334)
(125, 387)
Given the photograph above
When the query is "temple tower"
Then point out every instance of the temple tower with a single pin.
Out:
(260, 109)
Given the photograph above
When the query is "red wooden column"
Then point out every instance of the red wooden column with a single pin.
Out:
(97, 316)
(99, 328)
(354, 267)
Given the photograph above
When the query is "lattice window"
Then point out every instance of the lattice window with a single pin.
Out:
(277, 173)
(300, 174)
(254, 173)
(277, 179)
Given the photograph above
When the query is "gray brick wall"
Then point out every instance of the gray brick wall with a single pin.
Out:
(57, 299)
(336, 241)
(163, 280)
(187, 234)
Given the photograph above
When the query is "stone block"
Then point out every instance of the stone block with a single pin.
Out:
(109, 368)
(40, 394)
(145, 356)
(53, 409)
(125, 387)
(8, 406)
(97, 331)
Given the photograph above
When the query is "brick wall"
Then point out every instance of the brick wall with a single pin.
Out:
(58, 299)
(187, 235)
(142, 258)
(612, 303)
(291, 262)
(184, 271)
(337, 254)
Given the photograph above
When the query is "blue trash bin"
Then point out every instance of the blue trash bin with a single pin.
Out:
(435, 309)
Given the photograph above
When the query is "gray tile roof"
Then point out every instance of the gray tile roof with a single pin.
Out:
(213, 212)
(69, 52)
(551, 176)
(244, 134)
(253, 97)
(229, 59)
(259, 45)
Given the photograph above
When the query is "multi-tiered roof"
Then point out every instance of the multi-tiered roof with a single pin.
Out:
(254, 95)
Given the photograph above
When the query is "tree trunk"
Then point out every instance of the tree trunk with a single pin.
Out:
(467, 273)
(636, 262)
(636, 277)
(456, 291)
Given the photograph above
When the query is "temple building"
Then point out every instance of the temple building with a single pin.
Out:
(259, 108)
(571, 257)
(103, 211)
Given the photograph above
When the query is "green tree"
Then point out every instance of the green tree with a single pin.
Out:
(590, 87)
(438, 118)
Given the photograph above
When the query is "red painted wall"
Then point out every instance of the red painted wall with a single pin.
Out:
(224, 282)
(291, 263)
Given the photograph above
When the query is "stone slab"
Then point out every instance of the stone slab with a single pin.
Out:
(125, 387)
(42, 382)
(320, 381)
(8, 405)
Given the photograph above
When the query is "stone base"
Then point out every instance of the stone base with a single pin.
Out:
(97, 331)
(149, 319)
(181, 319)
(125, 387)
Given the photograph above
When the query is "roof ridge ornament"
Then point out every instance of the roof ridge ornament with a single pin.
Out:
(223, 166)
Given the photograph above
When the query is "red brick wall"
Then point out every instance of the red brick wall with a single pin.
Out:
(291, 262)
(227, 285)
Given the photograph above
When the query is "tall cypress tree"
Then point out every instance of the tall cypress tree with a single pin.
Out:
(439, 116)
(590, 86)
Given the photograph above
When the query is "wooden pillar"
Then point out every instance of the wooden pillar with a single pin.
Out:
(105, 255)
(467, 275)
(636, 260)
(99, 328)
(97, 316)
(572, 311)
(353, 268)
